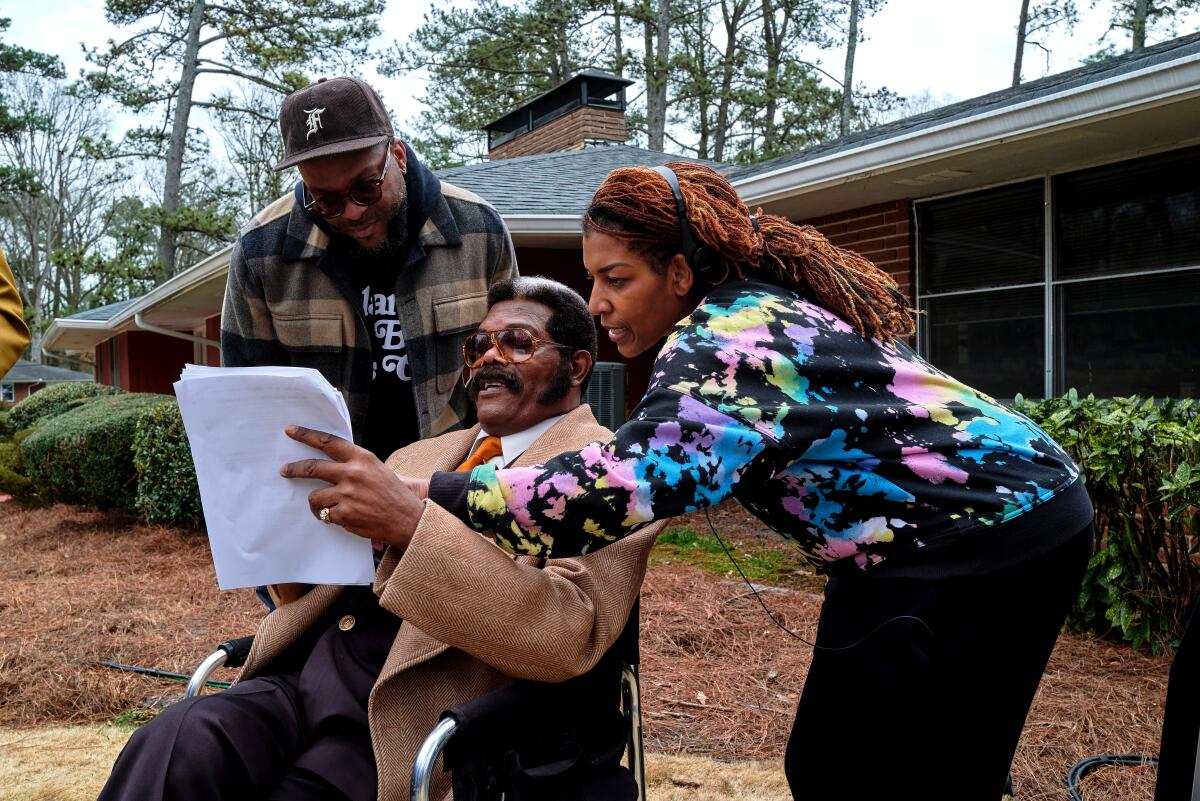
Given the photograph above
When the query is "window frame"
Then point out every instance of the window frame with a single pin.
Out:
(1049, 283)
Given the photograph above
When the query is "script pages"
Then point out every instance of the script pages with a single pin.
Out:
(260, 527)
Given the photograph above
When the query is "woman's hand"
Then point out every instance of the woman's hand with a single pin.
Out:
(366, 498)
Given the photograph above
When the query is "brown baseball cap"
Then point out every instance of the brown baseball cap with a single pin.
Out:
(333, 115)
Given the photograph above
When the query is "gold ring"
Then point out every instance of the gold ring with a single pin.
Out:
(324, 515)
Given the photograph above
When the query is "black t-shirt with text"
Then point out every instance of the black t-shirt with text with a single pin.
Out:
(392, 412)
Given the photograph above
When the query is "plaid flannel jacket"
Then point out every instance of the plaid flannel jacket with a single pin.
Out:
(288, 303)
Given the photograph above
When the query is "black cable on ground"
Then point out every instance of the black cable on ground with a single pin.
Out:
(161, 674)
(1085, 766)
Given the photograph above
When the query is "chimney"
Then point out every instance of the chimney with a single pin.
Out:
(588, 109)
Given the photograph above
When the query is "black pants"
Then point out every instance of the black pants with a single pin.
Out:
(933, 709)
(245, 743)
(299, 733)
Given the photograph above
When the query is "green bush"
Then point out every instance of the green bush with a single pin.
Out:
(85, 454)
(54, 400)
(1141, 461)
(167, 491)
(12, 476)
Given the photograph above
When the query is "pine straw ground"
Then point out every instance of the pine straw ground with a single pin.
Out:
(720, 682)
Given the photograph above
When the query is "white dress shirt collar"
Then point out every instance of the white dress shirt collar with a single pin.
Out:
(513, 445)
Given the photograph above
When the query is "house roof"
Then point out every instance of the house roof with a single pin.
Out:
(181, 304)
(552, 183)
(1119, 109)
(1043, 87)
(103, 313)
(27, 372)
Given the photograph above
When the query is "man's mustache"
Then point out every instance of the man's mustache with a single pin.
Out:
(492, 372)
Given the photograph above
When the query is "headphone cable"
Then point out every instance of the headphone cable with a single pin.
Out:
(793, 634)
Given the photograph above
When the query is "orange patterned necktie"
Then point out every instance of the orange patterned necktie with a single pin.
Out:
(489, 447)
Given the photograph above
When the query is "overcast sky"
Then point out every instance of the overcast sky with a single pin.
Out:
(961, 48)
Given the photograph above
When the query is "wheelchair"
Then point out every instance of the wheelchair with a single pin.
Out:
(485, 766)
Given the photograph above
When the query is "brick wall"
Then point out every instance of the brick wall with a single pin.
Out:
(882, 233)
(568, 132)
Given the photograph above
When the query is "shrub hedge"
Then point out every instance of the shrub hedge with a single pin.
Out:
(54, 400)
(85, 454)
(12, 475)
(1141, 461)
(12, 478)
(167, 491)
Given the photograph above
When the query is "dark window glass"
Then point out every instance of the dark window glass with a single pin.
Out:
(114, 352)
(1142, 214)
(1131, 336)
(991, 341)
(984, 239)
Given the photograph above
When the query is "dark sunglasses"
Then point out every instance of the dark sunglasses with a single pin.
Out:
(363, 193)
(514, 345)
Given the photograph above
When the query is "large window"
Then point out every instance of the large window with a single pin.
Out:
(8, 393)
(1088, 279)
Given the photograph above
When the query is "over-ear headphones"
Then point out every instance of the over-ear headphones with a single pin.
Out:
(704, 261)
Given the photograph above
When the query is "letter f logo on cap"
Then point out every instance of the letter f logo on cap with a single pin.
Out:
(355, 115)
(314, 120)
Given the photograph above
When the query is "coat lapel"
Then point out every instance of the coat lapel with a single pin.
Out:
(285, 625)
(413, 646)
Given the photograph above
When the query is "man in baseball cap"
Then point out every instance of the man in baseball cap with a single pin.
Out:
(369, 271)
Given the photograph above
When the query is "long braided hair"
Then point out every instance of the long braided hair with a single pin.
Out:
(635, 205)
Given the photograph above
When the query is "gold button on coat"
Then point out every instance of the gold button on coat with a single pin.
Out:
(346, 623)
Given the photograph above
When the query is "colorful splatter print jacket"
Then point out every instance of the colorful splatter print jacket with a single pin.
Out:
(860, 451)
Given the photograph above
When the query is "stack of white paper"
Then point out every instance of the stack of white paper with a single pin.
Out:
(259, 523)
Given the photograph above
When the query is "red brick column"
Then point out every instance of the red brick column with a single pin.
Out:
(882, 233)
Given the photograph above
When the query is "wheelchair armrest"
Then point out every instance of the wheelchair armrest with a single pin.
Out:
(427, 755)
(526, 699)
(237, 650)
(231, 653)
(614, 680)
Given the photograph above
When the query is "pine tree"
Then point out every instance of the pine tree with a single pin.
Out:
(1038, 18)
(1137, 17)
(487, 60)
(16, 60)
(271, 44)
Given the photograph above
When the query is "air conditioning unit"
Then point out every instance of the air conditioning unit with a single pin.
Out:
(606, 394)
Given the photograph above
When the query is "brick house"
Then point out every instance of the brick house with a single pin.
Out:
(141, 344)
(25, 378)
(1049, 233)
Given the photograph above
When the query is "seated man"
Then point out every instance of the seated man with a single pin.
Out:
(343, 683)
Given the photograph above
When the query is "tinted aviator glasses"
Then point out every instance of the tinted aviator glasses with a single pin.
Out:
(513, 345)
(363, 193)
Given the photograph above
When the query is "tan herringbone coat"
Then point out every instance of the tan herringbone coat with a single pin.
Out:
(474, 618)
